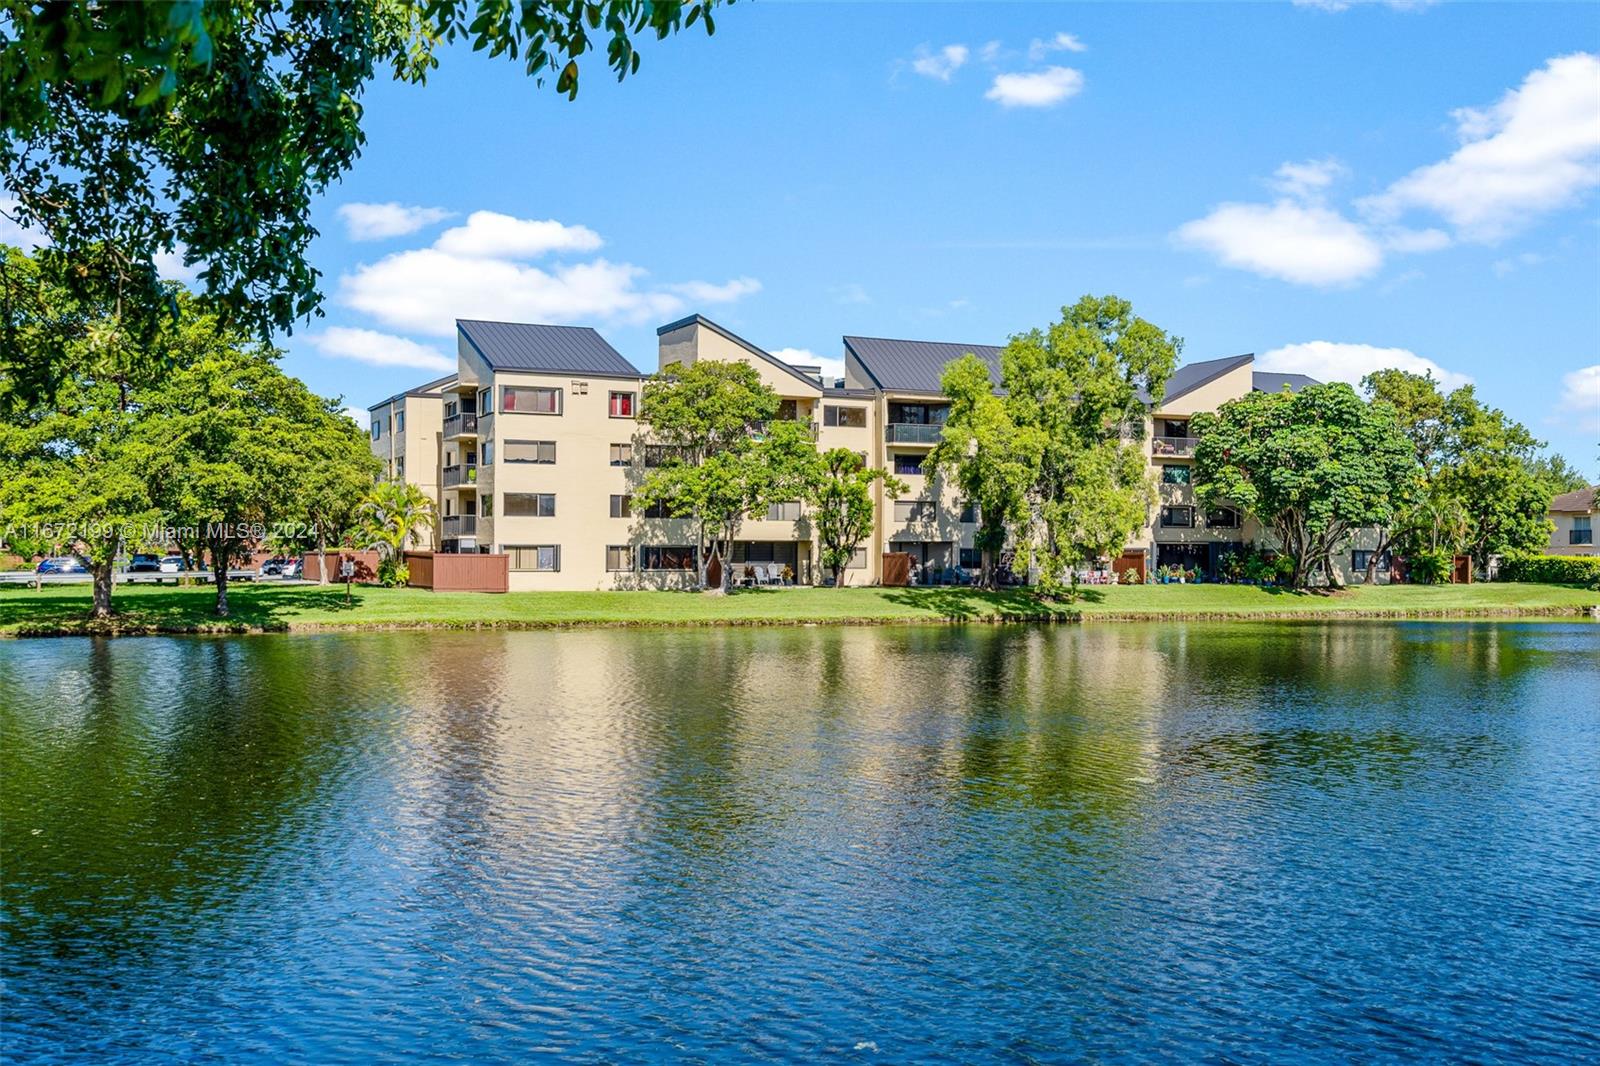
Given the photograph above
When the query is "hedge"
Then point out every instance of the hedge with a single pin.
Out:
(1552, 569)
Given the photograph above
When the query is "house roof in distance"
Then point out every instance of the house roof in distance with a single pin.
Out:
(1581, 500)
(548, 349)
(1269, 382)
(915, 366)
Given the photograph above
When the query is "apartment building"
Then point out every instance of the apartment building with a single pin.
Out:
(536, 452)
(1573, 516)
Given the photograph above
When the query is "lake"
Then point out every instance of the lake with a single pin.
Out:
(1242, 842)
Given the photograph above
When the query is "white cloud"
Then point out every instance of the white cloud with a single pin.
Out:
(1331, 361)
(832, 369)
(706, 293)
(375, 222)
(853, 293)
(942, 64)
(1061, 42)
(1535, 150)
(1308, 180)
(378, 349)
(171, 267)
(29, 240)
(359, 416)
(1512, 263)
(490, 234)
(990, 51)
(1044, 88)
(1303, 243)
(1399, 239)
(478, 270)
(1580, 398)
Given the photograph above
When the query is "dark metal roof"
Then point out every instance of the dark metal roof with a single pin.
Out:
(1581, 500)
(1268, 382)
(915, 366)
(548, 349)
(1191, 376)
(758, 352)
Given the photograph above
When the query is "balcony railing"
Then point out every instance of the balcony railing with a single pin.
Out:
(461, 425)
(1174, 446)
(1580, 536)
(460, 474)
(459, 525)
(912, 433)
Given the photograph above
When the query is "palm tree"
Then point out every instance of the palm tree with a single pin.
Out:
(390, 514)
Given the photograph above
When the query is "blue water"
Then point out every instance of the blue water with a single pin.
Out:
(1221, 843)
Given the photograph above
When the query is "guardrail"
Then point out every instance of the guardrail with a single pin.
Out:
(1174, 446)
(459, 525)
(29, 577)
(460, 474)
(912, 433)
(460, 425)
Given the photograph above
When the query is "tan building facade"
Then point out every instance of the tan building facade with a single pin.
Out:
(1573, 515)
(533, 448)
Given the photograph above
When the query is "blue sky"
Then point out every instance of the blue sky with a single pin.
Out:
(1331, 189)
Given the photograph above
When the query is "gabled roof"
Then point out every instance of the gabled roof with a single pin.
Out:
(548, 349)
(429, 389)
(1263, 381)
(760, 353)
(915, 366)
(1581, 500)
(1191, 376)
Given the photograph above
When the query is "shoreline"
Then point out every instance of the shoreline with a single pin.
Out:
(1065, 615)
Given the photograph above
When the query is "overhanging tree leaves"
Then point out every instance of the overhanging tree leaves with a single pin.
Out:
(1313, 466)
(132, 130)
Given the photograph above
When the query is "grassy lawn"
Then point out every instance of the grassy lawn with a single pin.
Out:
(25, 612)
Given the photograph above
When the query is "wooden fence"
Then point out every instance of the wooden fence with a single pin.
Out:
(896, 569)
(449, 572)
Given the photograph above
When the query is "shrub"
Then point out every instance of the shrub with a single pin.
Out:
(1552, 569)
(1429, 567)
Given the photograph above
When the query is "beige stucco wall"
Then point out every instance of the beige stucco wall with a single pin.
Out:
(1560, 537)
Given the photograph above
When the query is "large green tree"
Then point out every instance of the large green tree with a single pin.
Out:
(725, 454)
(1313, 466)
(129, 131)
(390, 514)
(231, 428)
(1083, 383)
(990, 458)
(838, 493)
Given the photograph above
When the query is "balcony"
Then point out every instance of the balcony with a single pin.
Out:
(459, 525)
(464, 424)
(912, 433)
(1174, 447)
(461, 474)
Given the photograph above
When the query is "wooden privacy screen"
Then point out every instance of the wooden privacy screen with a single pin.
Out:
(448, 572)
(366, 566)
(897, 569)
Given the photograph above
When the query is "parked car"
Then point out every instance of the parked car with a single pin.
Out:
(61, 564)
(273, 567)
(293, 569)
(171, 564)
(143, 563)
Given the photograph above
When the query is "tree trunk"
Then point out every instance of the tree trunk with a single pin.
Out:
(322, 559)
(838, 577)
(102, 589)
(219, 575)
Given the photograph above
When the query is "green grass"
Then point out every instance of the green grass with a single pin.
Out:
(145, 609)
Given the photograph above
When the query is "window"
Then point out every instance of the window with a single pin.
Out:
(844, 417)
(488, 453)
(519, 400)
(1222, 518)
(400, 468)
(483, 402)
(1173, 428)
(1360, 558)
(619, 556)
(621, 506)
(451, 408)
(913, 510)
(971, 558)
(486, 506)
(1582, 530)
(667, 557)
(530, 451)
(858, 560)
(399, 421)
(622, 455)
(1177, 517)
(1174, 475)
(377, 429)
(969, 513)
(622, 405)
(659, 509)
(788, 511)
(661, 454)
(788, 411)
(534, 556)
(907, 464)
(530, 505)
